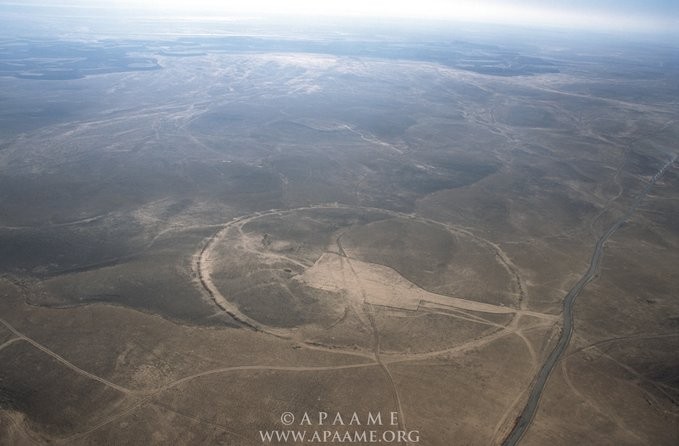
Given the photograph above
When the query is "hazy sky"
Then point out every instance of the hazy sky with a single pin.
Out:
(646, 15)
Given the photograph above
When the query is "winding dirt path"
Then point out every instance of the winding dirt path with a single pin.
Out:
(70, 365)
(150, 395)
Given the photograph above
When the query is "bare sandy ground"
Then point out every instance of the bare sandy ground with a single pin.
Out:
(375, 284)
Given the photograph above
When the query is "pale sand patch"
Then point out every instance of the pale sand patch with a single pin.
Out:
(365, 282)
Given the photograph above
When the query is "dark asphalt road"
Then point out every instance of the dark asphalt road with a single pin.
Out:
(524, 420)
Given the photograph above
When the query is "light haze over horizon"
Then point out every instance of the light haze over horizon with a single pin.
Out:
(611, 15)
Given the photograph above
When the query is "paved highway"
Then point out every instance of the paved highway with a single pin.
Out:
(526, 417)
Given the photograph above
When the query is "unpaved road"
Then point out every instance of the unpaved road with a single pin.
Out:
(70, 365)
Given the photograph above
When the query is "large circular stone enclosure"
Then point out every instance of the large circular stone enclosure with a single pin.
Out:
(335, 275)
